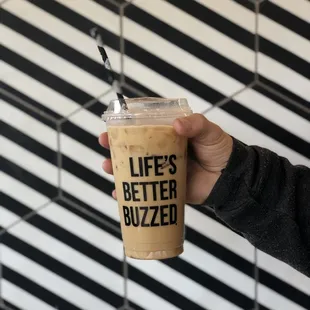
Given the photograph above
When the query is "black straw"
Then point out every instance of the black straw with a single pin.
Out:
(106, 62)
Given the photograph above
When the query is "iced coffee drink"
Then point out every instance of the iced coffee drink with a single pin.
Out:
(149, 166)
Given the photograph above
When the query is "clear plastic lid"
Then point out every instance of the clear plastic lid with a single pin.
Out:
(147, 107)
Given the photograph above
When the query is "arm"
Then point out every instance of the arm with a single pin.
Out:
(267, 199)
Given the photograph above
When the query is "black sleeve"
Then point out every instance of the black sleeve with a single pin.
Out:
(265, 198)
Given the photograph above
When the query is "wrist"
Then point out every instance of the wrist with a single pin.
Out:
(227, 183)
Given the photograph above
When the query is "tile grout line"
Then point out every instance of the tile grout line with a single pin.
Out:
(114, 3)
(227, 99)
(28, 215)
(125, 277)
(122, 52)
(256, 276)
(95, 217)
(28, 105)
(256, 41)
(127, 3)
(257, 1)
(122, 82)
(256, 79)
(284, 97)
(1, 299)
(84, 106)
(133, 89)
(59, 160)
(122, 44)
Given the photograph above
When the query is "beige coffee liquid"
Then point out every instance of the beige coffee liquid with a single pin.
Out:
(149, 165)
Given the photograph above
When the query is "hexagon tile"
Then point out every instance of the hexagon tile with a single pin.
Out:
(60, 257)
(242, 63)
(166, 52)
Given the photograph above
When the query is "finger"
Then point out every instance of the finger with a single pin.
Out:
(107, 166)
(114, 194)
(198, 128)
(104, 140)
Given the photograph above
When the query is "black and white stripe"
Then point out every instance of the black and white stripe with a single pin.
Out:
(57, 217)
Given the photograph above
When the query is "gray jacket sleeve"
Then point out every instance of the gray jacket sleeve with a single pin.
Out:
(265, 198)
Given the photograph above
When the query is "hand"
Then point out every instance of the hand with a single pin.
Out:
(209, 151)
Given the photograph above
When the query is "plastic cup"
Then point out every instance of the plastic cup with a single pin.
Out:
(149, 164)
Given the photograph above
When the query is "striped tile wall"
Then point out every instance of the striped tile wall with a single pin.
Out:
(243, 63)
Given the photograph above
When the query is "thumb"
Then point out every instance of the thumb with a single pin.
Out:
(198, 128)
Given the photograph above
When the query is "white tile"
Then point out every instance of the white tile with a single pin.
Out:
(300, 8)
(194, 28)
(275, 113)
(283, 36)
(183, 285)
(284, 272)
(25, 300)
(177, 57)
(53, 63)
(51, 281)
(16, 154)
(284, 76)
